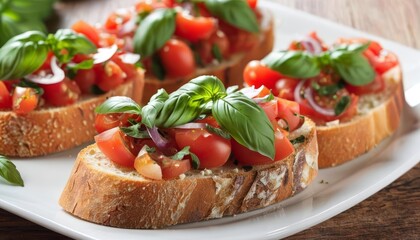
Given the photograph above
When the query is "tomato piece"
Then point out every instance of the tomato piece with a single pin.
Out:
(252, 3)
(205, 47)
(147, 167)
(116, 19)
(247, 157)
(378, 85)
(285, 87)
(109, 76)
(173, 168)
(239, 40)
(130, 70)
(177, 58)
(85, 79)
(112, 144)
(257, 74)
(5, 97)
(194, 28)
(382, 62)
(271, 109)
(209, 120)
(105, 122)
(88, 30)
(62, 93)
(212, 150)
(289, 111)
(24, 100)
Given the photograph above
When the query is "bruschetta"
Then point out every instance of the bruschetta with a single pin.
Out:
(50, 86)
(179, 40)
(352, 90)
(201, 152)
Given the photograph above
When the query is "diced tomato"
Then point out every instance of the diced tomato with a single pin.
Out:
(88, 30)
(247, 157)
(257, 74)
(62, 93)
(252, 3)
(85, 79)
(173, 168)
(177, 58)
(112, 144)
(239, 40)
(117, 19)
(271, 109)
(24, 100)
(105, 122)
(194, 28)
(382, 62)
(378, 85)
(289, 111)
(212, 150)
(5, 97)
(109, 76)
(130, 70)
(205, 47)
(148, 167)
(150, 5)
(285, 87)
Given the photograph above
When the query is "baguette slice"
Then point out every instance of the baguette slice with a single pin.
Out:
(379, 117)
(229, 71)
(104, 193)
(55, 129)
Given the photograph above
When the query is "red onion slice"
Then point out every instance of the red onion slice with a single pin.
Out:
(130, 25)
(312, 45)
(251, 92)
(56, 76)
(163, 144)
(130, 58)
(191, 126)
(104, 54)
(309, 95)
(298, 90)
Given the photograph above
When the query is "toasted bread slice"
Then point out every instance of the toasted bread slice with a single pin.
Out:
(230, 71)
(55, 129)
(379, 116)
(102, 192)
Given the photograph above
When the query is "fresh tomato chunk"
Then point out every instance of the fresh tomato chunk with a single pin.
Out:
(109, 76)
(194, 28)
(5, 97)
(112, 144)
(285, 87)
(177, 58)
(105, 122)
(378, 85)
(24, 100)
(207, 47)
(85, 79)
(247, 157)
(117, 19)
(271, 109)
(212, 150)
(147, 167)
(62, 93)
(88, 30)
(173, 168)
(257, 74)
(252, 3)
(289, 111)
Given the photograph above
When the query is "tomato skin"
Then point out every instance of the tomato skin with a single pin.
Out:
(5, 97)
(219, 39)
(239, 40)
(109, 76)
(177, 58)
(252, 3)
(147, 167)
(377, 86)
(285, 87)
(85, 79)
(247, 157)
(257, 74)
(111, 143)
(194, 28)
(116, 19)
(62, 93)
(271, 109)
(24, 100)
(212, 150)
(173, 168)
(130, 70)
(105, 122)
(88, 30)
(289, 111)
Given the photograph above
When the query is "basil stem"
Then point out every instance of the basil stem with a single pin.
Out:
(342, 105)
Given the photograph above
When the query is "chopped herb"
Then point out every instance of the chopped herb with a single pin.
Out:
(185, 152)
(215, 50)
(157, 68)
(342, 105)
(135, 131)
(299, 139)
(195, 161)
(96, 90)
(327, 90)
(217, 131)
(27, 84)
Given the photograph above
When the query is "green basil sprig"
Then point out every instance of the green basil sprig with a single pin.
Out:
(154, 31)
(25, 53)
(9, 172)
(348, 61)
(119, 104)
(237, 13)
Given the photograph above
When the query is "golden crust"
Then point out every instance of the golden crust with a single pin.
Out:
(56, 129)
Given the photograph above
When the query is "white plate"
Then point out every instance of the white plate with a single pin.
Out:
(347, 185)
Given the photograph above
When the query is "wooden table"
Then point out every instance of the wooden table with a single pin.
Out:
(394, 212)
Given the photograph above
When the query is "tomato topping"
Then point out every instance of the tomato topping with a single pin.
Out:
(257, 74)
(289, 111)
(173, 168)
(130, 70)
(239, 40)
(85, 79)
(5, 97)
(270, 108)
(147, 167)
(88, 30)
(110, 76)
(194, 28)
(247, 157)
(112, 144)
(62, 93)
(204, 145)
(177, 58)
(105, 122)
(378, 85)
(285, 87)
(24, 100)
(207, 47)
(117, 19)
(252, 3)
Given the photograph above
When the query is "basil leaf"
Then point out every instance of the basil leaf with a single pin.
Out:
(72, 42)
(354, 48)
(73, 68)
(157, 68)
(119, 104)
(38, 90)
(181, 154)
(215, 50)
(33, 9)
(135, 131)
(234, 12)
(299, 139)
(9, 172)
(354, 68)
(189, 101)
(217, 131)
(246, 122)
(154, 31)
(152, 109)
(342, 105)
(22, 55)
(327, 90)
(296, 64)
(195, 161)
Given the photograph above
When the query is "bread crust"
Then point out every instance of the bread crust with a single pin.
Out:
(112, 196)
(56, 129)
(346, 141)
(229, 71)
